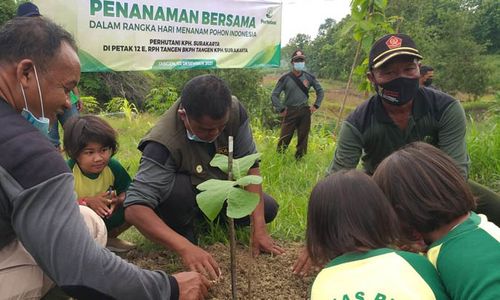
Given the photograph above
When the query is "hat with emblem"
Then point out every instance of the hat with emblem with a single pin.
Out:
(298, 54)
(390, 46)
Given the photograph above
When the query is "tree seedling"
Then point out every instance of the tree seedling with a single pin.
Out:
(240, 203)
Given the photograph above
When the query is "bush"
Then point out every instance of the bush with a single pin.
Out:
(160, 99)
(90, 105)
(119, 104)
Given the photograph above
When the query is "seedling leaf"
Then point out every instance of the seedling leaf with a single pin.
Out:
(250, 179)
(240, 165)
(215, 184)
(241, 203)
(211, 201)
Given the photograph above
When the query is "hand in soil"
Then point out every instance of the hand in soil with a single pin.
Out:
(303, 265)
(192, 285)
(199, 260)
(263, 242)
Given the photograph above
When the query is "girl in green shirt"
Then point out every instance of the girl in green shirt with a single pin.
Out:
(100, 181)
(352, 227)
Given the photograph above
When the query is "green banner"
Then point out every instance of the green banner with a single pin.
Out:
(170, 35)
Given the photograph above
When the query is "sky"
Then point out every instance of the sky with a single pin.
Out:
(305, 16)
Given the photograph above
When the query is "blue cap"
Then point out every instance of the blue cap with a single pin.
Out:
(28, 9)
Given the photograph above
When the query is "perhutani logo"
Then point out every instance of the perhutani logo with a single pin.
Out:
(269, 16)
(394, 42)
(269, 13)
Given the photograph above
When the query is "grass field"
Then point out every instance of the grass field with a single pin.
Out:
(290, 182)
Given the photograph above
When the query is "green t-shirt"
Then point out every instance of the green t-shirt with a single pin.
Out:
(381, 274)
(468, 259)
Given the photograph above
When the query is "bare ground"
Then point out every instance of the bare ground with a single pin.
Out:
(271, 276)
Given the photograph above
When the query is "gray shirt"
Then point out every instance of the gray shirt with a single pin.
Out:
(155, 178)
(38, 207)
(294, 96)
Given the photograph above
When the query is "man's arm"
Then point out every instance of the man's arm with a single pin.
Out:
(261, 239)
(348, 149)
(275, 95)
(243, 146)
(149, 224)
(319, 92)
(48, 223)
(152, 184)
(452, 129)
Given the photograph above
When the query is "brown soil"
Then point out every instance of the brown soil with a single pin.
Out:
(271, 275)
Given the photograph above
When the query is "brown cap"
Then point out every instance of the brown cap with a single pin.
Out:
(390, 46)
(298, 54)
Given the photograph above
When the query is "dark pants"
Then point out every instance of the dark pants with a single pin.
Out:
(180, 210)
(488, 202)
(299, 119)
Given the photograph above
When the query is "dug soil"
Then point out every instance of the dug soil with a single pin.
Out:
(271, 275)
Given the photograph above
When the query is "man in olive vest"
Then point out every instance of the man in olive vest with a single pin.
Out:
(161, 201)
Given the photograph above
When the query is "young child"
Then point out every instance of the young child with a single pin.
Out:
(351, 224)
(430, 195)
(100, 181)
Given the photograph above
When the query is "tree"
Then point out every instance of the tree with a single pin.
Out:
(444, 33)
(7, 10)
(486, 27)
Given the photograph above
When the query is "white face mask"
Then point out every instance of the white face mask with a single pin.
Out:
(41, 123)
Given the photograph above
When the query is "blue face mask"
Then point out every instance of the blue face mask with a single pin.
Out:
(41, 123)
(299, 66)
(191, 136)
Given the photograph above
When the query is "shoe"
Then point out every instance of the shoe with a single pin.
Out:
(119, 246)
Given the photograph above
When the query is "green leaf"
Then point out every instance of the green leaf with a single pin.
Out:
(243, 164)
(211, 201)
(220, 161)
(249, 179)
(240, 165)
(215, 184)
(241, 203)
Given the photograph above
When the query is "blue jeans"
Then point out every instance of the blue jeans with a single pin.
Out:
(54, 129)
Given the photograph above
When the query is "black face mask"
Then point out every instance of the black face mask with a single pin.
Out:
(428, 82)
(399, 91)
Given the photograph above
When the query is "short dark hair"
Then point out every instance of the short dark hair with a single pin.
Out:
(348, 212)
(79, 131)
(206, 95)
(425, 186)
(425, 69)
(38, 39)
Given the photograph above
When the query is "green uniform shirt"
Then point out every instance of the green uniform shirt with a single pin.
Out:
(294, 96)
(370, 134)
(468, 259)
(381, 274)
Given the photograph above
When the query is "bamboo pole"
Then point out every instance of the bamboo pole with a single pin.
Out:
(339, 119)
(232, 235)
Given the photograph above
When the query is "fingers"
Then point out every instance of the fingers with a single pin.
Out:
(302, 265)
(206, 269)
(277, 250)
(255, 250)
(205, 285)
